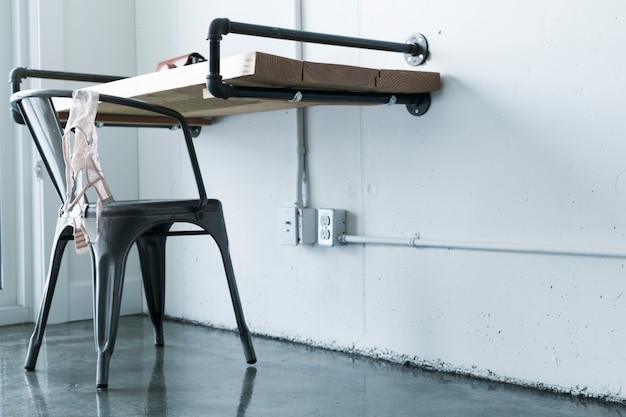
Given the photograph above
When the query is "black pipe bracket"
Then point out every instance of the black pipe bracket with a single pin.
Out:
(415, 51)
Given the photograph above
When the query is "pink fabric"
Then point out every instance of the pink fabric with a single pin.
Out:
(82, 166)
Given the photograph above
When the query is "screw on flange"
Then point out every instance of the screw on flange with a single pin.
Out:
(419, 57)
(421, 105)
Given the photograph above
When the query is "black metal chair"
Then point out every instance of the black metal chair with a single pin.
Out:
(146, 223)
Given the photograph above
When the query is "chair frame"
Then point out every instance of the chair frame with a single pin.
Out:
(144, 223)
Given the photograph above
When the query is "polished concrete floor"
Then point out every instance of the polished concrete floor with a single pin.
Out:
(202, 372)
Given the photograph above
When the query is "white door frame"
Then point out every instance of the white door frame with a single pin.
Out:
(33, 34)
(17, 215)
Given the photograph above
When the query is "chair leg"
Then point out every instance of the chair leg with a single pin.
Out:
(46, 301)
(152, 259)
(109, 269)
(221, 239)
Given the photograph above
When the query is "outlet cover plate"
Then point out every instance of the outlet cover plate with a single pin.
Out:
(331, 223)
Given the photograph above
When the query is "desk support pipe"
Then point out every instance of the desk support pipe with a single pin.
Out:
(225, 26)
(417, 104)
(20, 73)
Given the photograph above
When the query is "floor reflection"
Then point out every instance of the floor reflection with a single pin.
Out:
(36, 394)
(246, 391)
(155, 397)
(156, 400)
(103, 409)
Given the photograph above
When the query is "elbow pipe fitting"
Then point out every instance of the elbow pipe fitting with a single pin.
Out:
(15, 78)
(218, 88)
(219, 27)
(214, 83)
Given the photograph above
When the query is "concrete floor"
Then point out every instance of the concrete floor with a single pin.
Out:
(202, 372)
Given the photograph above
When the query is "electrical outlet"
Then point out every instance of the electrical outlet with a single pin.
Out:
(331, 223)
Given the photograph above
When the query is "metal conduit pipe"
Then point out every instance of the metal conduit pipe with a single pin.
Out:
(489, 246)
(301, 168)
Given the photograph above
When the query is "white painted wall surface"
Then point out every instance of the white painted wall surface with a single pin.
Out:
(523, 144)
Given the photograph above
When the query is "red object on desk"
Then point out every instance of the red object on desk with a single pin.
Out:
(180, 61)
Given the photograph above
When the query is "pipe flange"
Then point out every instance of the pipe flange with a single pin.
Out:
(421, 54)
(195, 131)
(420, 106)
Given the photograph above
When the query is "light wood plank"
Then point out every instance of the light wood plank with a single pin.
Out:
(184, 89)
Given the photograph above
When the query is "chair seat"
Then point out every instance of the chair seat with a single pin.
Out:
(128, 208)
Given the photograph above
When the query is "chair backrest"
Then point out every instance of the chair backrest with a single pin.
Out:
(38, 112)
(40, 117)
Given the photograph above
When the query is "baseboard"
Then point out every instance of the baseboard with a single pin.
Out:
(14, 315)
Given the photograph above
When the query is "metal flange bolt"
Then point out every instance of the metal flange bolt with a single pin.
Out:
(422, 50)
(421, 105)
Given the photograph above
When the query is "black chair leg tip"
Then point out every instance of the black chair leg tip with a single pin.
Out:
(252, 361)
(102, 386)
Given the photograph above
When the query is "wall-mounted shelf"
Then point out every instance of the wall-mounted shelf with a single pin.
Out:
(257, 81)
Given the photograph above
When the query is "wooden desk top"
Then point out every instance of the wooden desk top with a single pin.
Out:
(184, 88)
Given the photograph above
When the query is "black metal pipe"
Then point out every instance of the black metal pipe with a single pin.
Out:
(142, 105)
(223, 26)
(325, 96)
(220, 89)
(20, 73)
(215, 85)
(15, 78)
(322, 38)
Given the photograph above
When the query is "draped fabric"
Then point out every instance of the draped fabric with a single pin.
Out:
(82, 167)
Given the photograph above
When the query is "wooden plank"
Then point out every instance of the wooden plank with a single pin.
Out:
(359, 79)
(258, 68)
(390, 81)
(338, 77)
(184, 90)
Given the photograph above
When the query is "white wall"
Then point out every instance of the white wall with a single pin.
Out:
(523, 144)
